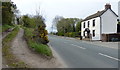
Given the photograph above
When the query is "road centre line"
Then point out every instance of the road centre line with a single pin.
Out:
(109, 56)
(78, 46)
(65, 42)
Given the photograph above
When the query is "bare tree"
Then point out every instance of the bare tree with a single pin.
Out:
(55, 22)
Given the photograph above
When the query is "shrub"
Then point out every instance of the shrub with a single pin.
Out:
(66, 34)
(60, 34)
(39, 47)
(72, 34)
(41, 35)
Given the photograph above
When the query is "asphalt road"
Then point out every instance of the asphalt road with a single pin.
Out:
(79, 54)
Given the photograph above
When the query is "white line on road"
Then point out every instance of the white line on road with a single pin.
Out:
(65, 42)
(109, 56)
(78, 46)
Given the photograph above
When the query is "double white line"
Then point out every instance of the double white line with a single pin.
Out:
(78, 46)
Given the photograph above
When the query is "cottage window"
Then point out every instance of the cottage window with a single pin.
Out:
(93, 33)
(84, 25)
(94, 22)
(88, 23)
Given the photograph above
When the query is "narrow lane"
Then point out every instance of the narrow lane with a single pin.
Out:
(31, 58)
(78, 54)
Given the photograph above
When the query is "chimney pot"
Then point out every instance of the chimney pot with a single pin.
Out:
(107, 6)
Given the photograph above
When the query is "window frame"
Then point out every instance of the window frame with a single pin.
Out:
(94, 23)
(93, 33)
(84, 25)
(88, 23)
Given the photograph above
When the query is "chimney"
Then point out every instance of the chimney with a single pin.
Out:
(107, 6)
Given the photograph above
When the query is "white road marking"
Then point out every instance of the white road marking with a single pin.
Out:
(78, 46)
(65, 42)
(109, 56)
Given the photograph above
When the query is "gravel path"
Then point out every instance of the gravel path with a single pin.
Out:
(34, 60)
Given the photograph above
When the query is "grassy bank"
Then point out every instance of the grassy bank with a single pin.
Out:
(7, 54)
(0, 29)
(40, 48)
(6, 27)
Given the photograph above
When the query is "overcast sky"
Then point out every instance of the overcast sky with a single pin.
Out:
(66, 8)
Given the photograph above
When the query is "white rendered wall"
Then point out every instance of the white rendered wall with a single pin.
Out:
(119, 9)
(96, 28)
(109, 22)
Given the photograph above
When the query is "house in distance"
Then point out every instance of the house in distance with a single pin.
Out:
(102, 22)
(119, 10)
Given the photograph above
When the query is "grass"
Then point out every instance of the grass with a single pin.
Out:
(0, 29)
(6, 27)
(40, 48)
(7, 54)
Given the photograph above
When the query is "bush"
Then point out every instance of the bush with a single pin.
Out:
(28, 21)
(72, 34)
(66, 34)
(76, 34)
(60, 34)
(41, 35)
(39, 47)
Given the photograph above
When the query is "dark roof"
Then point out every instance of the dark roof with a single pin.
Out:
(98, 14)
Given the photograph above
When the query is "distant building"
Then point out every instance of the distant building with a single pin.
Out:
(119, 10)
(102, 22)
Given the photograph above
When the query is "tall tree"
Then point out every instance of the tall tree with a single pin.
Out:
(28, 21)
(0, 12)
(66, 25)
(78, 26)
(8, 12)
(55, 21)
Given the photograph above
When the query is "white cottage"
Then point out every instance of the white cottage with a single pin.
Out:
(102, 22)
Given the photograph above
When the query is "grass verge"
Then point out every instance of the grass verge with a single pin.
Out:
(0, 29)
(40, 48)
(7, 54)
(6, 27)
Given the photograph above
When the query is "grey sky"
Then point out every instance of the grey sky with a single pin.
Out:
(65, 8)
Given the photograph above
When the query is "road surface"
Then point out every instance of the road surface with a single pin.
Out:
(79, 54)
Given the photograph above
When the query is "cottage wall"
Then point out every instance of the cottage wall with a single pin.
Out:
(119, 9)
(91, 27)
(109, 22)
